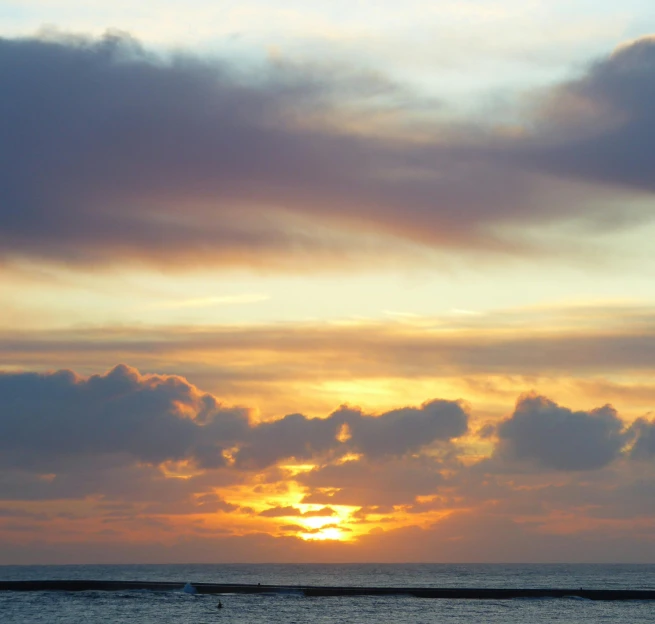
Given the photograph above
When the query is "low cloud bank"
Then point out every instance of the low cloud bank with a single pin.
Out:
(46, 419)
(150, 457)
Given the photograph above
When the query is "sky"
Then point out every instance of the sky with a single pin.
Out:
(327, 281)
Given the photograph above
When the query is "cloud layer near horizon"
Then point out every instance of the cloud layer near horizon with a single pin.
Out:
(112, 154)
(153, 455)
(559, 341)
(153, 419)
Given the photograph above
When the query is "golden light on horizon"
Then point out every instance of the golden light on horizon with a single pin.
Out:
(328, 533)
(317, 522)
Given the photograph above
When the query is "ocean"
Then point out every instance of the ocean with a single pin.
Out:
(178, 607)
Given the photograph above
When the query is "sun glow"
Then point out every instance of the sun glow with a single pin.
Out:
(329, 533)
(317, 522)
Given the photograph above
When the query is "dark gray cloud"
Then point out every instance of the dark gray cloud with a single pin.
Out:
(540, 431)
(207, 503)
(111, 154)
(391, 434)
(294, 435)
(604, 122)
(49, 418)
(402, 431)
(644, 446)
(62, 435)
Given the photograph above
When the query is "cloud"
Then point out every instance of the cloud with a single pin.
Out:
(207, 503)
(374, 483)
(152, 419)
(182, 158)
(324, 512)
(644, 446)
(293, 528)
(391, 434)
(280, 512)
(152, 480)
(604, 121)
(178, 160)
(401, 431)
(554, 437)
(290, 511)
(462, 537)
(508, 342)
(50, 421)
(22, 514)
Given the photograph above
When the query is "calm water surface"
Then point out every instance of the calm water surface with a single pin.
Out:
(146, 607)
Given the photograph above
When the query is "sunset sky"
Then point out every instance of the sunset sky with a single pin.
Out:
(327, 281)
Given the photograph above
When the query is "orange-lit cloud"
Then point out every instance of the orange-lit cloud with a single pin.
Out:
(159, 472)
(577, 355)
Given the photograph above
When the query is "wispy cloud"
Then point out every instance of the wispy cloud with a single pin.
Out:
(201, 302)
(183, 161)
(591, 339)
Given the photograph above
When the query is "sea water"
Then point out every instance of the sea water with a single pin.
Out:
(179, 607)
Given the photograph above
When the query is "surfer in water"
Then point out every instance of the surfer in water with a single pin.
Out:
(219, 605)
